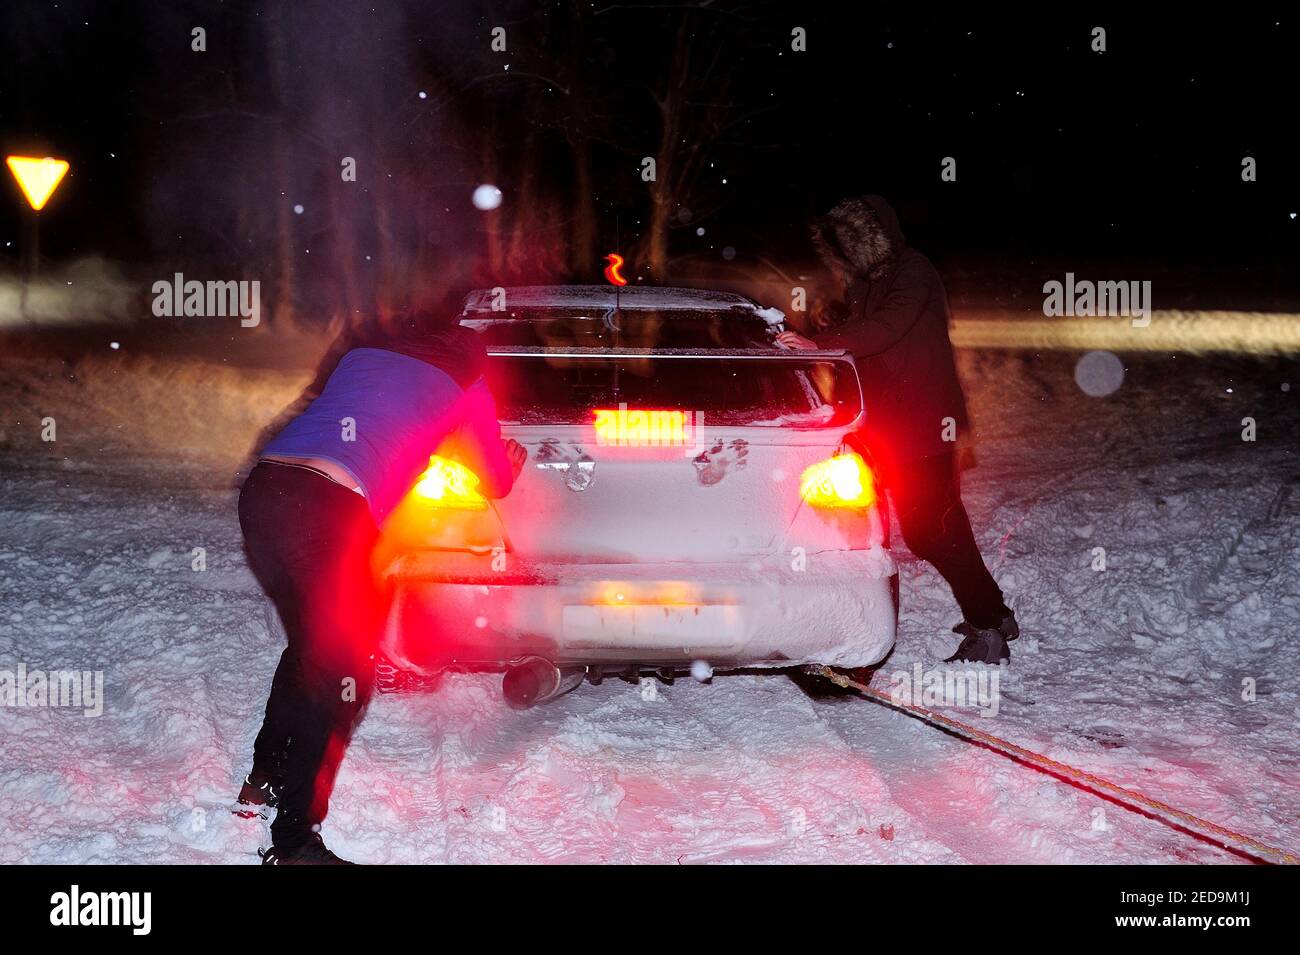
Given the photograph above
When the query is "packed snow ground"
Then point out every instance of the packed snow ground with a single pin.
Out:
(1135, 672)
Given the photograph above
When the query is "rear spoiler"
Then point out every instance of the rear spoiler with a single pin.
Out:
(581, 352)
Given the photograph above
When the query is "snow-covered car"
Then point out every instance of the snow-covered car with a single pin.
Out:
(691, 501)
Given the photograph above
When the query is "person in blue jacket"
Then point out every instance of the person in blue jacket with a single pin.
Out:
(310, 511)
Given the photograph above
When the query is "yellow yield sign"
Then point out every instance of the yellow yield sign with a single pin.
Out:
(38, 178)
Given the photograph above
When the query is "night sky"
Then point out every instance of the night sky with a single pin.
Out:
(1128, 160)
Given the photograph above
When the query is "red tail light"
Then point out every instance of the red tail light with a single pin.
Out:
(841, 481)
(449, 483)
(444, 510)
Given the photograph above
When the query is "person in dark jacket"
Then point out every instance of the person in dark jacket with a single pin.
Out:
(310, 511)
(893, 318)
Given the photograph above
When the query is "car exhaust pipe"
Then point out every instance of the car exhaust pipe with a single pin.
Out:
(536, 680)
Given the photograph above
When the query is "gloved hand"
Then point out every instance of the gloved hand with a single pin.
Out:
(517, 455)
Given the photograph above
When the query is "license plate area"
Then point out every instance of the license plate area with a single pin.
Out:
(697, 628)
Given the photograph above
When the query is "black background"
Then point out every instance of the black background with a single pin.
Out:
(1127, 160)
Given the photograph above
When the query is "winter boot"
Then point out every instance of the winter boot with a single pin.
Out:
(311, 852)
(1009, 628)
(980, 645)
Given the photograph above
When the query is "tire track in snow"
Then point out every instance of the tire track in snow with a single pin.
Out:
(997, 811)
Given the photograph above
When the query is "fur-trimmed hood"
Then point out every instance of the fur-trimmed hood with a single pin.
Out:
(859, 236)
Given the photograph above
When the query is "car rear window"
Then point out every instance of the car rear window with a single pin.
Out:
(737, 390)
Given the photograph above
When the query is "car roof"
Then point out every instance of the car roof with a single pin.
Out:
(605, 297)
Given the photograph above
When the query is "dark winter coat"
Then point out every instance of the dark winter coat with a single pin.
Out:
(895, 323)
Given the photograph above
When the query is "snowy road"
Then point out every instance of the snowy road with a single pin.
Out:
(1134, 672)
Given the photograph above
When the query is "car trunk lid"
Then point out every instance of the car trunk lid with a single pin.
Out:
(665, 454)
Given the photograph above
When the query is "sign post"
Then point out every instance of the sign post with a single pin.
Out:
(37, 178)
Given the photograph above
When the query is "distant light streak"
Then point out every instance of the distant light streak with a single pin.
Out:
(1246, 333)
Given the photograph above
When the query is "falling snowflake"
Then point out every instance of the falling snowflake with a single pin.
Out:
(487, 197)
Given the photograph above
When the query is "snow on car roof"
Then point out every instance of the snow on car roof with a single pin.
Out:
(631, 298)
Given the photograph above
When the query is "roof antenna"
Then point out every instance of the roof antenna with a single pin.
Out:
(618, 313)
(615, 278)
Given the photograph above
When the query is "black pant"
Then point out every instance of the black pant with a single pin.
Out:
(309, 542)
(927, 498)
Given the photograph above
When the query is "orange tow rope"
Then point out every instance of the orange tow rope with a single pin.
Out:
(1129, 799)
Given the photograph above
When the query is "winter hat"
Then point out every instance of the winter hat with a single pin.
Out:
(859, 236)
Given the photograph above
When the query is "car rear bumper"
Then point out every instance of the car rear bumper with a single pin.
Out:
(454, 610)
